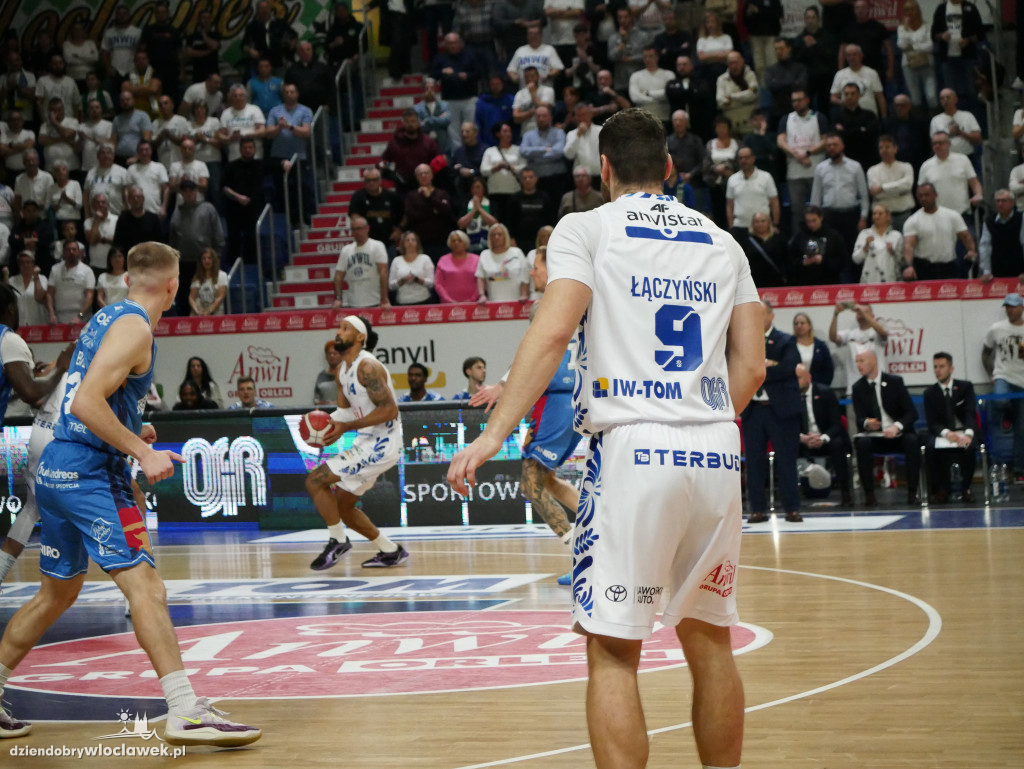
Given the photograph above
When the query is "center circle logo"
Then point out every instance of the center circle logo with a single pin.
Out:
(615, 593)
(347, 655)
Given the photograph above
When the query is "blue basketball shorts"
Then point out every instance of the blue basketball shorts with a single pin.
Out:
(87, 510)
(551, 439)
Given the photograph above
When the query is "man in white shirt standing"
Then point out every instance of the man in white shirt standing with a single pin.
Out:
(32, 183)
(962, 127)
(891, 181)
(189, 168)
(361, 275)
(581, 143)
(94, 131)
(208, 91)
(802, 138)
(99, 231)
(151, 177)
(15, 141)
(535, 53)
(1000, 355)
(872, 94)
(627, 536)
(59, 137)
(241, 119)
(752, 191)
(529, 98)
(929, 240)
(168, 130)
(952, 175)
(118, 46)
(869, 333)
(56, 84)
(647, 87)
(72, 287)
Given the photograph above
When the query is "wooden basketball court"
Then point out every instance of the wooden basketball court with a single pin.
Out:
(881, 646)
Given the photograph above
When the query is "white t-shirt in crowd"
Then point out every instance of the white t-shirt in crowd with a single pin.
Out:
(951, 178)
(111, 182)
(1007, 340)
(70, 285)
(505, 273)
(245, 122)
(544, 58)
(207, 292)
(115, 287)
(750, 196)
(936, 234)
(98, 252)
(151, 177)
(362, 275)
(92, 134)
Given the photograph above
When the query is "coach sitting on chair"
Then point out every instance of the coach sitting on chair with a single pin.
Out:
(885, 414)
(774, 415)
(822, 432)
(951, 411)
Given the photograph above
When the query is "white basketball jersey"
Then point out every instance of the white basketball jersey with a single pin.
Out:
(361, 405)
(651, 346)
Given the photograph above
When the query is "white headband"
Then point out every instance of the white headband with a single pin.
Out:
(356, 322)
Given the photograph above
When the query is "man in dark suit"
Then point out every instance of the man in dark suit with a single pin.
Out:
(774, 415)
(885, 414)
(822, 432)
(951, 410)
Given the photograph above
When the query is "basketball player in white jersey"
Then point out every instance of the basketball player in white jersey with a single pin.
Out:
(366, 403)
(670, 348)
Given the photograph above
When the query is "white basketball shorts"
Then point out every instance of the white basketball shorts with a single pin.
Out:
(360, 466)
(660, 519)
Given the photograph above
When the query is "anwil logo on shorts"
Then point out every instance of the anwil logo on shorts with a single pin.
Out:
(720, 579)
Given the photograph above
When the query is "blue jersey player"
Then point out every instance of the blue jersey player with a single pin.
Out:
(84, 493)
(551, 439)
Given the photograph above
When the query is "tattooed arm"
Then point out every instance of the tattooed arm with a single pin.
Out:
(373, 376)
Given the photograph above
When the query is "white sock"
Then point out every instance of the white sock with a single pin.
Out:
(337, 531)
(4, 673)
(6, 564)
(384, 544)
(567, 539)
(738, 766)
(178, 692)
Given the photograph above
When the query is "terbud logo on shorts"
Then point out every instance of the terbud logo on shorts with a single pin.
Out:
(702, 460)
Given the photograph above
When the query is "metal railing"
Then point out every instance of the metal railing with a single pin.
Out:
(365, 84)
(266, 214)
(319, 129)
(236, 267)
(294, 164)
(344, 71)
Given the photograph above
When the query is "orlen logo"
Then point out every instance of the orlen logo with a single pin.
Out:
(349, 655)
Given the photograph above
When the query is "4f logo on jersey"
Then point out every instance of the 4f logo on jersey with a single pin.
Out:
(715, 392)
(659, 207)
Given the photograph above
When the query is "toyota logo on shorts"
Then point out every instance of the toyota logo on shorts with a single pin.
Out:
(615, 593)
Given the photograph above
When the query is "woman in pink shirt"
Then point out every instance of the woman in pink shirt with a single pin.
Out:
(455, 277)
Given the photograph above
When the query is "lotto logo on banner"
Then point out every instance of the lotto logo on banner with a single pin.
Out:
(350, 655)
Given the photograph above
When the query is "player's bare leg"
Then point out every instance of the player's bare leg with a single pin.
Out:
(615, 716)
(352, 516)
(318, 485)
(717, 692)
(147, 599)
(534, 484)
(567, 494)
(33, 619)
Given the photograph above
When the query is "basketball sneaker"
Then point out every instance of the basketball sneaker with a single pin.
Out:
(12, 727)
(332, 552)
(205, 725)
(384, 560)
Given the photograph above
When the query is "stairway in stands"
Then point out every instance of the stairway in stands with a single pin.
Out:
(308, 276)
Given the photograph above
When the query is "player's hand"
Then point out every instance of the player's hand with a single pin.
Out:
(334, 431)
(64, 359)
(873, 425)
(892, 431)
(148, 434)
(157, 465)
(487, 395)
(964, 441)
(462, 470)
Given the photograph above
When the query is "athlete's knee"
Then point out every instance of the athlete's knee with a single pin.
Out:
(605, 650)
(141, 584)
(320, 478)
(703, 643)
(59, 594)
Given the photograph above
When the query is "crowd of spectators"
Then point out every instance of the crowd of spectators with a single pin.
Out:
(812, 150)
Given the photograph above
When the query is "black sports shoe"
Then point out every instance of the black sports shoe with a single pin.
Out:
(331, 554)
(383, 560)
